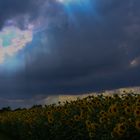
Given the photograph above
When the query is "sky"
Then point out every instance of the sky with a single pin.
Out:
(51, 47)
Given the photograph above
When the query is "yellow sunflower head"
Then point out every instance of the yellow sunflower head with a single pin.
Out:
(76, 117)
(103, 120)
(117, 132)
(122, 120)
(128, 110)
(113, 110)
(122, 127)
(88, 123)
(137, 125)
(49, 113)
(137, 112)
(50, 120)
(91, 135)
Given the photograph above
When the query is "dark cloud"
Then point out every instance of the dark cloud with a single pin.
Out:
(80, 51)
(20, 11)
(15, 8)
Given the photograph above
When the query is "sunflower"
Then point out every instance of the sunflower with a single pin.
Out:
(77, 117)
(50, 120)
(59, 108)
(122, 127)
(82, 103)
(70, 123)
(90, 104)
(82, 115)
(137, 125)
(102, 112)
(137, 112)
(130, 122)
(116, 96)
(138, 101)
(49, 113)
(88, 122)
(113, 110)
(120, 133)
(126, 98)
(128, 110)
(122, 119)
(114, 132)
(108, 98)
(93, 126)
(66, 112)
(98, 104)
(125, 104)
(103, 120)
(88, 125)
(91, 135)
(117, 132)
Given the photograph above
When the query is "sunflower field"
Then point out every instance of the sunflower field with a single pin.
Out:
(114, 117)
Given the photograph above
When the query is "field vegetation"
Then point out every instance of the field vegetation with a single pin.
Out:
(114, 117)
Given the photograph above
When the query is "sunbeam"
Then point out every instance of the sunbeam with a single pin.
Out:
(74, 8)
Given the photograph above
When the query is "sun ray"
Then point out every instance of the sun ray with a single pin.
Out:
(74, 7)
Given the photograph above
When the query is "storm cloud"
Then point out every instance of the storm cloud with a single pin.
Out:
(81, 50)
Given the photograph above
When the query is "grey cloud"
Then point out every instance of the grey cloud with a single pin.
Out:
(93, 52)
